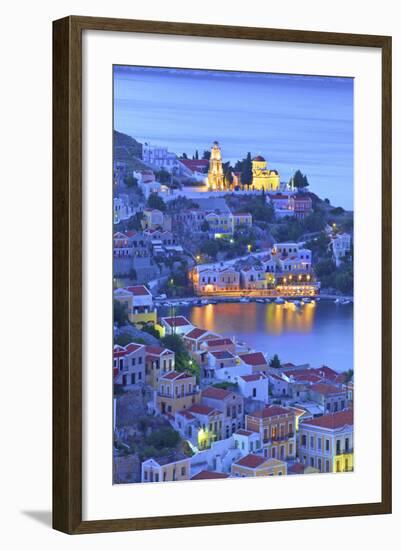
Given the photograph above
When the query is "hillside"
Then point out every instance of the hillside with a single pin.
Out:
(128, 150)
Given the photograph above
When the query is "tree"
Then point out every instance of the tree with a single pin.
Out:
(163, 438)
(134, 223)
(120, 313)
(275, 362)
(247, 175)
(184, 156)
(163, 176)
(196, 157)
(154, 201)
(299, 180)
(150, 329)
(183, 361)
(205, 226)
(206, 155)
(130, 181)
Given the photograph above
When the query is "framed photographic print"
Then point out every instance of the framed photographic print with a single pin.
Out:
(222, 275)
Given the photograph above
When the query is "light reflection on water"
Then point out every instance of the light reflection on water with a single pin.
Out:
(320, 333)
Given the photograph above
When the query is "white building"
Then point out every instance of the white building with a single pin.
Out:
(340, 245)
(122, 208)
(255, 386)
(177, 325)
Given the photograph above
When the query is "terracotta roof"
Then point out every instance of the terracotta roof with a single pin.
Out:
(201, 409)
(308, 377)
(271, 410)
(259, 158)
(253, 377)
(297, 468)
(195, 333)
(206, 474)
(222, 354)
(174, 375)
(216, 393)
(219, 342)
(157, 350)
(325, 389)
(121, 351)
(195, 164)
(332, 421)
(244, 432)
(187, 414)
(179, 321)
(138, 290)
(254, 359)
(251, 461)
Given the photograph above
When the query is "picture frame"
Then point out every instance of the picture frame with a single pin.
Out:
(67, 274)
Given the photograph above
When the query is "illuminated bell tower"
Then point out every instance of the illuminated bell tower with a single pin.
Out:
(215, 178)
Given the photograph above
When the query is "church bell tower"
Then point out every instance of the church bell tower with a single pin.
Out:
(215, 177)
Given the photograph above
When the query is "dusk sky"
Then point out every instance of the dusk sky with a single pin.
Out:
(295, 122)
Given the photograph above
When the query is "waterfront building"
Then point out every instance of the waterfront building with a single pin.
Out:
(129, 364)
(139, 303)
(276, 426)
(209, 280)
(176, 391)
(253, 465)
(215, 178)
(194, 338)
(326, 442)
(166, 468)
(176, 325)
(262, 177)
(230, 404)
(158, 361)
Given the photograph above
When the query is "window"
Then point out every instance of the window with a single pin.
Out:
(303, 440)
(133, 361)
(254, 392)
(347, 444)
(139, 376)
(290, 428)
(327, 467)
(139, 360)
(338, 446)
(265, 435)
(312, 442)
(327, 444)
(319, 464)
(183, 471)
(145, 475)
(156, 477)
(342, 404)
(274, 452)
(312, 461)
(319, 443)
(290, 448)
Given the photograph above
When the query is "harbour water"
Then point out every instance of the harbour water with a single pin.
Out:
(318, 334)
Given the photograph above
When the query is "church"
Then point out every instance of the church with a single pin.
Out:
(215, 178)
(262, 177)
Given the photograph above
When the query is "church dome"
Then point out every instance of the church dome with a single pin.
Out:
(259, 158)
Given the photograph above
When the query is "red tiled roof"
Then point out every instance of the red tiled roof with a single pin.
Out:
(174, 375)
(206, 474)
(195, 333)
(120, 351)
(216, 393)
(252, 377)
(244, 432)
(332, 421)
(325, 389)
(222, 354)
(271, 410)
(254, 359)
(201, 409)
(219, 342)
(186, 413)
(297, 468)
(308, 377)
(195, 164)
(156, 350)
(179, 321)
(251, 461)
(138, 290)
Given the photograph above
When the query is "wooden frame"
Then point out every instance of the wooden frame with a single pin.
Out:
(67, 274)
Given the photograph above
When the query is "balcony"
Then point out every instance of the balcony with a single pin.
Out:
(344, 451)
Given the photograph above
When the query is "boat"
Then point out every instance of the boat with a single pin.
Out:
(345, 302)
(204, 302)
(297, 303)
(337, 301)
(279, 301)
(267, 300)
(260, 300)
(307, 300)
(317, 299)
(213, 302)
(244, 300)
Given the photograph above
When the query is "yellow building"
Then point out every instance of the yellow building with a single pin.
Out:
(326, 442)
(215, 178)
(256, 465)
(262, 177)
(156, 470)
(139, 303)
(176, 391)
